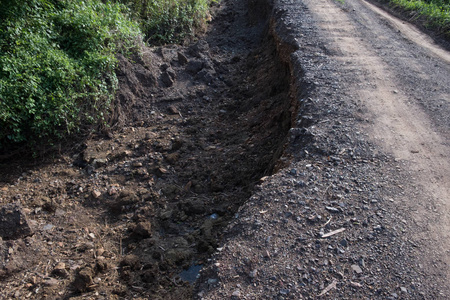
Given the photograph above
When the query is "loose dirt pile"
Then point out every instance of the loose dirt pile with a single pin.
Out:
(136, 211)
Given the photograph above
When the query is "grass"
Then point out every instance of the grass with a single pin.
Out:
(435, 13)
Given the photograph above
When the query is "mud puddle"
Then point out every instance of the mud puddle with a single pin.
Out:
(135, 212)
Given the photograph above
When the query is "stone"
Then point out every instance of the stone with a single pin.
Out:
(182, 59)
(50, 282)
(99, 162)
(236, 293)
(143, 229)
(173, 110)
(167, 79)
(48, 227)
(357, 269)
(60, 270)
(13, 222)
(194, 66)
(96, 194)
(284, 291)
(83, 281)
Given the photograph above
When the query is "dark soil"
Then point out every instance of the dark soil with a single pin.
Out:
(136, 211)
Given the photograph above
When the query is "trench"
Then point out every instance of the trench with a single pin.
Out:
(137, 211)
(232, 133)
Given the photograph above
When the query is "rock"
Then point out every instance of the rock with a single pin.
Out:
(99, 162)
(48, 204)
(182, 59)
(236, 293)
(96, 194)
(343, 243)
(136, 164)
(48, 227)
(173, 110)
(143, 229)
(284, 291)
(357, 269)
(253, 273)
(194, 66)
(100, 251)
(167, 79)
(60, 270)
(83, 280)
(101, 265)
(403, 289)
(13, 222)
(50, 282)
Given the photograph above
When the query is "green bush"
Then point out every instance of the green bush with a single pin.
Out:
(167, 21)
(58, 59)
(57, 62)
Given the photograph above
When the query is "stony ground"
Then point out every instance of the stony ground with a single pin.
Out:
(248, 164)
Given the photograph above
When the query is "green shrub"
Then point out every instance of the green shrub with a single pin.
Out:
(57, 62)
(167, 21)
(58, 59)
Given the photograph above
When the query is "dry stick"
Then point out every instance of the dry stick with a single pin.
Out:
(333, 232)
(328, 288)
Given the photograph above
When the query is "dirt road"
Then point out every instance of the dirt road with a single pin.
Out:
(403, 84)
(390, 86)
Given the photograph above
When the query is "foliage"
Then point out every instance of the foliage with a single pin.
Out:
(166, 21)
(57, 61)
(436, 12)
(58, 58)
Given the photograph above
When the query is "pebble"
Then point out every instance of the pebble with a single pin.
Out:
(60, 270)
(48, 227)
(284, 291)
(50, 282)
(253, 273)
(236, 293)
(357, 269)
(355, 284)
(96, 194)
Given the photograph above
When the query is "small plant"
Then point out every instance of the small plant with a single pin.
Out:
(167, 21)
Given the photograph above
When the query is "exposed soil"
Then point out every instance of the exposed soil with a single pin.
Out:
(297, 150)
(137, 210)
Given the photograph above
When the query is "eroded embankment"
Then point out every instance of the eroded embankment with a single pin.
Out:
(332, 224)
(224, 136)
(136, 211)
